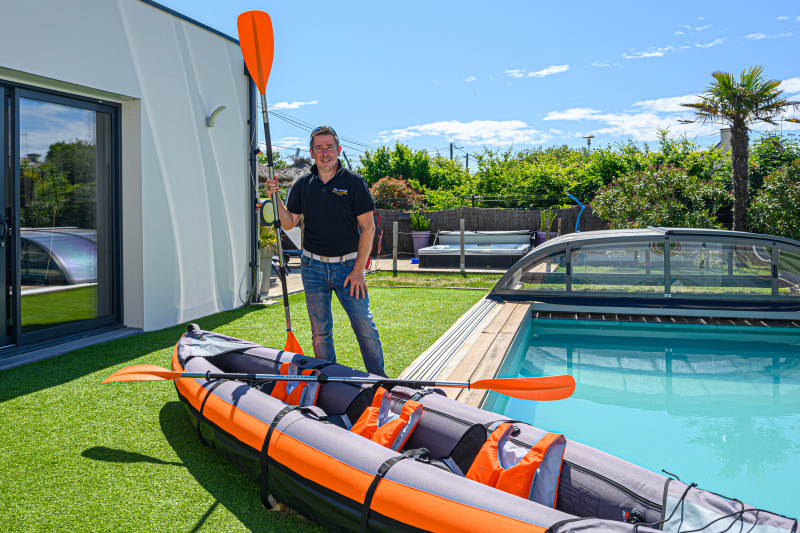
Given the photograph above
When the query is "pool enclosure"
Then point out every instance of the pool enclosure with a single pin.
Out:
(660, 271)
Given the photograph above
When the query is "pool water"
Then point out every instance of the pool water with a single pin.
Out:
(714, 405)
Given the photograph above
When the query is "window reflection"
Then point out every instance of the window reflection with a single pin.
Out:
(703, 267)
(788, 273)
(549, 273)
(64, 183)
(619, 267)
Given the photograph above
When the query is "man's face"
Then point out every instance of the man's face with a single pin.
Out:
(325, 152)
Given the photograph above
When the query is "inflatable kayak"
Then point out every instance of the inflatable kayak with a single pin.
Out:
(372, 457)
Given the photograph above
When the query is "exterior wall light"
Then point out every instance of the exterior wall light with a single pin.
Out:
(213, 118)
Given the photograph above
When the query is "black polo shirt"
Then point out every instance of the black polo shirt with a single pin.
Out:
(331, 210)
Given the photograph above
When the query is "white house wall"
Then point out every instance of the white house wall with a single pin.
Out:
(185, 190)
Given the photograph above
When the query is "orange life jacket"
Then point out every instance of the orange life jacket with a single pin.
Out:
(500, 464)
(296, 392)
(379, 424)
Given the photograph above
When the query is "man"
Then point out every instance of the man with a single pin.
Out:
(335, 203)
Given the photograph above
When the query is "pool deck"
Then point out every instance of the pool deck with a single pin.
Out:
(473, 348)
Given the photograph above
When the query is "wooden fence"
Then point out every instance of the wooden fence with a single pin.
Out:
(481, 219)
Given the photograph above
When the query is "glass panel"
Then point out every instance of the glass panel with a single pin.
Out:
(619, 267)
(548, 273)
(706, 267)
(64, 190)
(788, 272)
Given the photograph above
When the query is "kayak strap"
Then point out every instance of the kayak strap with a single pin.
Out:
(202, 406)
(264, 481)
(420, 454)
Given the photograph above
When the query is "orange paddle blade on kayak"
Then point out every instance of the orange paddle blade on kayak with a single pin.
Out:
(546, 388)
(258, 45)
(291, 344)
(141, 373)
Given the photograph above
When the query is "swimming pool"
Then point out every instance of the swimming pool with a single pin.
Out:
(714, 405)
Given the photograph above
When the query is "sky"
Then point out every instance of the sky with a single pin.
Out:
(507, 74)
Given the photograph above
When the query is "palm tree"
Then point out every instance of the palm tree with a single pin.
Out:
(741, 102)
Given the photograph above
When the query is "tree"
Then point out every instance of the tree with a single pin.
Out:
(739, 103)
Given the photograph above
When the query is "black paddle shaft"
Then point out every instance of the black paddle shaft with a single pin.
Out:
(277, 221)
(323, 378)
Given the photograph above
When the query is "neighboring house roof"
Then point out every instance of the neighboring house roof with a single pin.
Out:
(287, 175)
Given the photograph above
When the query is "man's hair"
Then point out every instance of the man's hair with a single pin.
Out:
(323, 130)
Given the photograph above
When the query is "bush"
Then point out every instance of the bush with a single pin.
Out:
(661, 196)
(392, 193)
(775, 210)
(419, 222)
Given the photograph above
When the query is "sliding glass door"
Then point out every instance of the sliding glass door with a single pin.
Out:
(61, 254)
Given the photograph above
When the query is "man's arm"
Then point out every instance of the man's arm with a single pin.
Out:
(288, 219)
(356, 278)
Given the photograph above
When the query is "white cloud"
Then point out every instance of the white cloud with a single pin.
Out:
(678, 33)
(576, 113)
(709, 45)
(668, 105)
(640, 124)
(552, 69)
(652, 52)
(792, 85)
(596, 64)
(758, 36)
(470, 79)
(290, 143)
(291, 105)
(783, 18)
(701, 28)
(475, 133)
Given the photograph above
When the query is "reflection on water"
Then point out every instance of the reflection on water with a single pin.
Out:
(774, 439)
(718, 408)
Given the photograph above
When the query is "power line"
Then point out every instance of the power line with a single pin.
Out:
(303, 125)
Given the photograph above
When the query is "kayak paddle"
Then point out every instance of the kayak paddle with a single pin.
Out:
(541, 389)
(258, 49)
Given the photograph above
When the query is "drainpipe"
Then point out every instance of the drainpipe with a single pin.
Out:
(252, 295)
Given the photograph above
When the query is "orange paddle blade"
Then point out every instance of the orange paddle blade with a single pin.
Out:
(141, 373)
(546, 388)
(291, 344)
(258, 45)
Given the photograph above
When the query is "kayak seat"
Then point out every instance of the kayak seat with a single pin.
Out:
(380, 424)
(299, 393)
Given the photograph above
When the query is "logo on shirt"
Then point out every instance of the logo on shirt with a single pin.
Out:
(340, 192)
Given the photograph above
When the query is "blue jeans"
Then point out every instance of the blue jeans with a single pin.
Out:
(319, 281)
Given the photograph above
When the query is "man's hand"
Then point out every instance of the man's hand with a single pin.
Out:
(358, 283)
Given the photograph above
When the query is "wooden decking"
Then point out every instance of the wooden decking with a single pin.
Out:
(487, 352)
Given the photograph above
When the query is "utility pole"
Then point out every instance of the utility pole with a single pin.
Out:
(348, 161)
(467, 162)
(451, 151)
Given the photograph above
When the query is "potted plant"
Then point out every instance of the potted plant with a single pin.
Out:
(420, 232)
(547, 217)
(267, 242)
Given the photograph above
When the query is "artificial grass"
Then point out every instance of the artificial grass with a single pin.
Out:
(80, 456)
(408, 279)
